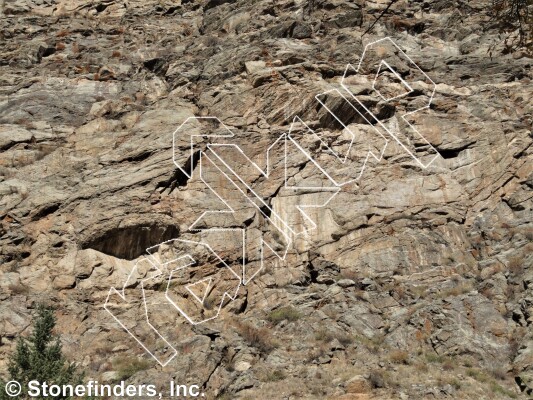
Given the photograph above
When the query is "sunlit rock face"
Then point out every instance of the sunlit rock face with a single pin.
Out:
(383, 186)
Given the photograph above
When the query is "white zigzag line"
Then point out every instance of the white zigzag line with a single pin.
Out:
(226, 294)
(405, 115)
(123, 297)
(266, 173)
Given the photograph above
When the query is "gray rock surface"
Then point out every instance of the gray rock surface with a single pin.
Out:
(417, 283)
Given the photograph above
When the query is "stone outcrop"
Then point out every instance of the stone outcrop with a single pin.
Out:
(417, 282)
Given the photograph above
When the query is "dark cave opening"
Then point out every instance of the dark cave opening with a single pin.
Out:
(130, 242)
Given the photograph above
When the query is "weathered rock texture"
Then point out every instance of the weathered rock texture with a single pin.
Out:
(418, 282)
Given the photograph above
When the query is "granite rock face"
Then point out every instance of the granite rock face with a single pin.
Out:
(417, 280)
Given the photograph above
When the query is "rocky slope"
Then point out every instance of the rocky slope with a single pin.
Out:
(417, 282)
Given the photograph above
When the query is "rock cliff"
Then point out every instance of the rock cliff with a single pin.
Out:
(417, 281)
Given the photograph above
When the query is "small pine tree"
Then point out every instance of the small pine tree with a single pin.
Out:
(40, 358)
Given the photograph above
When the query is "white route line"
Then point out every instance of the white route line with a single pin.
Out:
(225, 294)
(383, 62)
(230, 134)
(282, 226)
(393, 135)
(343, 160)
(206, 290)
(122, 295)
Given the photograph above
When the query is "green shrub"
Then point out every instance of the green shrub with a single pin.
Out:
(456, 384)
(284, 314)
(322, 335)
(497, 389)
(478, 375)
(275, 376)
(434, 358)
(126, 367)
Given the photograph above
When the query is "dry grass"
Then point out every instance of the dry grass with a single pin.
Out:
(422, 367)
(382, 379)
(63, 33)
(499, 373)
(260, 338)
(18, 288)
(104, 349)
(515, 340)
(458, 290)
(350, 274)
(317, 352)
(7, 172)
(442, 381)
(399, 357)
(516, 266)
(325, 336)
(374, 344)
(448, 365)
(418, 291)
(345, 338)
